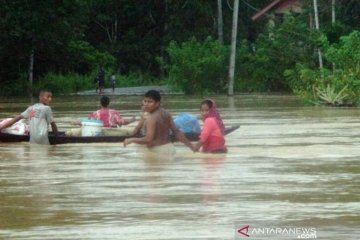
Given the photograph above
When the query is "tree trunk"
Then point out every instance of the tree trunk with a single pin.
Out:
(31, 70)
(333, 21)
(111, 30)
(320, 58)
(333, 11)
(220, 22)
(316, 15)
(233, 48)
(164, 43)
(115, 29)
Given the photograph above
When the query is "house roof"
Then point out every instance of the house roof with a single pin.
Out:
(280, 5)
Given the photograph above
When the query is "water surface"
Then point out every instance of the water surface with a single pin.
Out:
(288, 165)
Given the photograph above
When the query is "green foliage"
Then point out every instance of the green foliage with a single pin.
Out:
(65, 84)
(329, 95)
(325, 86)
(262, 64)
(129, 37)
(338, 86)
(134, 79)
(44, 27)
(335, 31)
(20, 87)
(346, 54)
(302, 78)
(85, 56)
(196, 66)
(251, 73)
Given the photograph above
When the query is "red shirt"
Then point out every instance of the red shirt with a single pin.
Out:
(211, 136)
(110, 117)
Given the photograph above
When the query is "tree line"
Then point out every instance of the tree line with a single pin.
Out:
(60, 44)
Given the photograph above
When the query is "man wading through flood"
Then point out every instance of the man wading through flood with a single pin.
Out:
(158, 124)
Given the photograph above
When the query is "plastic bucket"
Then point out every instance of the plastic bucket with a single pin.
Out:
(90, 128)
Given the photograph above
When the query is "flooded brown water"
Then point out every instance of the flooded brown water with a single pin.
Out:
(288, 165)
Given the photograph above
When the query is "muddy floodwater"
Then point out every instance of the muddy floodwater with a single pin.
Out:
(292, 169)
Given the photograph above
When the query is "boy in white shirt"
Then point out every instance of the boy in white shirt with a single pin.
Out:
(39, 116)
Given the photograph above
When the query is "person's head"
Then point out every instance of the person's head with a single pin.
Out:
(45, 97)
(205, 107)
(208, 109)
(104, 101)
(151, 100)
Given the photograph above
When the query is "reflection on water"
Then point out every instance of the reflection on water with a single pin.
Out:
(287, 165)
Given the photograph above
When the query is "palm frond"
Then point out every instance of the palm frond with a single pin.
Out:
(329, 94)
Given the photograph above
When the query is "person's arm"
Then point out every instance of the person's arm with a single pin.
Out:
(93, 116)
(126, 122)
(119, 120)
(11, 122)
(180, 136)
(50, 119)
(198, 145)
(208, 127)
(138, 127)
(54, 128)
(148, 138)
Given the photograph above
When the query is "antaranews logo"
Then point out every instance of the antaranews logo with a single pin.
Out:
(286, 233)
(244, 231)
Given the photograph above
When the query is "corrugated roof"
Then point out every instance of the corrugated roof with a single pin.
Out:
(279, 5)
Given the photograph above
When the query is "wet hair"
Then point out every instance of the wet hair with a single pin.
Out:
(104, 101)
(208, 102)
(43, 91)
(154, 95)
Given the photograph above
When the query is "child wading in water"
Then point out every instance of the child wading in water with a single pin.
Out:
(39, 116)
(212, 135)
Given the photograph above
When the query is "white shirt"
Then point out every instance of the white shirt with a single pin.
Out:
(39, 116)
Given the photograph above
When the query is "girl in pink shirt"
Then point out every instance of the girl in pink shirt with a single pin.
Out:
(212, 135)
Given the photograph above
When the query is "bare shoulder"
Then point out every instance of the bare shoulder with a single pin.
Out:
(150, 119)
(165, 114)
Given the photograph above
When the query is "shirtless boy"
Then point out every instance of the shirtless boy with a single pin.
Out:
(158, 124)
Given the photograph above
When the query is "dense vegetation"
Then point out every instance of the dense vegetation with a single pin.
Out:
(62, 44)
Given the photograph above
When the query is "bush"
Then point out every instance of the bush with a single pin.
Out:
(252, 74)
(65, 84)
(19, 87)
(84, 57)
(261, 64)
(134, 79)
(323, 86)
(197, 67)
(342, 81)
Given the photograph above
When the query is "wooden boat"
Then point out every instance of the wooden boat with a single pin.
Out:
(63, 139)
